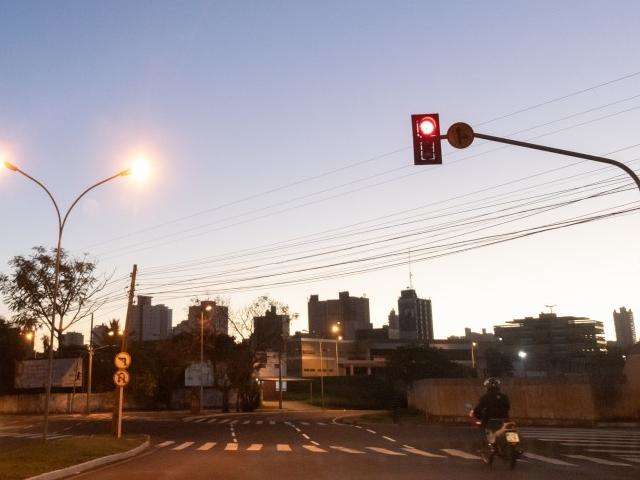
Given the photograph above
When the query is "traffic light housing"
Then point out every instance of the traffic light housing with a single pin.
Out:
(427, 149)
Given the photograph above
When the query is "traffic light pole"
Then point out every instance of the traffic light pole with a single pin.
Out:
(560, 151)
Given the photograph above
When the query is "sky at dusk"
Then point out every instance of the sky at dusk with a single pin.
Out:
(272, 126)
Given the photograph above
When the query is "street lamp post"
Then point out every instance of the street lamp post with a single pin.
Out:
(473, 354)
(321, 375)
(62, 220)
(523, 356)
(208, 308)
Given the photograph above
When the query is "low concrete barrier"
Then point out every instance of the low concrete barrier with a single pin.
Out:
(540, 401)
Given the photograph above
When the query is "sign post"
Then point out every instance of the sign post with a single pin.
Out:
(121, 379)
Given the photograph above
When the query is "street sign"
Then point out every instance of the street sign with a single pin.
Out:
(122, 360)
(121, 378)
(67, 372)
(460, 135)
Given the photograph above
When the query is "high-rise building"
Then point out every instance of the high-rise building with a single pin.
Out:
(551, 344)
(216, 319)
(149, 322)
(270, 330)
(394, 325)
(625, 328)
(350, 313)
(415, 318)
(72, 339)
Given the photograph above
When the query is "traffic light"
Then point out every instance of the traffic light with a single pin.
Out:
(426, 139)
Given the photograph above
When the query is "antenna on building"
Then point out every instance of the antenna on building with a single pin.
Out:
(550, 307)
(410, 272)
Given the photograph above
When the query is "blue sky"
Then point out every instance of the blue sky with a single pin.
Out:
(231, 99)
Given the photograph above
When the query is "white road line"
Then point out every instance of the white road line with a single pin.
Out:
(207, 446)
(224, 420)
(184, 445)
(304, 423)
(389, 438)
(213, 420)
(231, 447)
(345, 449)
(322, 423)
(259, 422)
(200, 420)
(283, 447)
(246, 422)
(459, 453)
(600, 461)
(371, 431)
(297, 429)
(165, 444)
(314, 449)
(598, 444)
(386, 451)
(305, 436)
(254, 447)
(421, 453)
(315, 443)
(358, 426)
(553, 461)
(233, 422)
(272, 422)
(616, 451)
(629, 459)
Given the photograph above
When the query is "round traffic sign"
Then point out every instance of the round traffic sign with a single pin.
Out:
(122, 360)
(460, 135)
(121, 378)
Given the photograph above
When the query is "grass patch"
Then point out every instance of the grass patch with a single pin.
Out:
(37, 457)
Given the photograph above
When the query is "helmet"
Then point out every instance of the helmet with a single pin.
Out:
(492, 383)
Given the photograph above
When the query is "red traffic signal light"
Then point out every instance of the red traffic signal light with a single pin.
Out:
(426, 139)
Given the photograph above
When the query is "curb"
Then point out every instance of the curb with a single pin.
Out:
(91, 464)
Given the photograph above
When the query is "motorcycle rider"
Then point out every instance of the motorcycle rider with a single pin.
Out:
(492, 405)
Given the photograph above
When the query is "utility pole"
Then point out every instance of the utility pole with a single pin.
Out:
(90, 375)
(321, 375)
(123, 348)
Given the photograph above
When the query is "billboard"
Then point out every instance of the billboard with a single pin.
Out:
(192, 375)
(67, 372)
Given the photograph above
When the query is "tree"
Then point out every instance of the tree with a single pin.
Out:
(13, 347)
(28, 290)
(498, 364)
(408, 364)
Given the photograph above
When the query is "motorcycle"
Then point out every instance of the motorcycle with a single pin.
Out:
(502, 440)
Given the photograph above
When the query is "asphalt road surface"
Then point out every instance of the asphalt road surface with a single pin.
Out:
(321, 445)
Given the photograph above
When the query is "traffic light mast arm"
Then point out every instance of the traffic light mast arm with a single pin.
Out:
(560, 151)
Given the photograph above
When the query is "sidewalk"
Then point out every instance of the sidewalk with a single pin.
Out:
(289, 405)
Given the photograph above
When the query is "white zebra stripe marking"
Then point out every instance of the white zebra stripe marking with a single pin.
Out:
(254, 447)
(389, 438)
(231, 447)
(421, 453)
(165, 444)
(386, 451)
(184, 445)
(600, 461)
(207, 446)
(345, 449)
(553, 461)
(314, 449)
(283, 447)
(459, 453)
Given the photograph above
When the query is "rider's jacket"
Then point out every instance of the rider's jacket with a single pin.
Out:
(492, 405)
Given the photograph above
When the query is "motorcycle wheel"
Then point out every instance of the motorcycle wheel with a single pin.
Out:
(511, 457)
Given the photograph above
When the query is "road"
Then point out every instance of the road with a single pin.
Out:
(322, 445)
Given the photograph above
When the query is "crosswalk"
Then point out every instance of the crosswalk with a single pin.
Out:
(568, 460)
(241, 421)
(50, 436)
(597, 446)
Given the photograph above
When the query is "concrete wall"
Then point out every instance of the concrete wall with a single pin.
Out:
(533, 400)
(60, 403)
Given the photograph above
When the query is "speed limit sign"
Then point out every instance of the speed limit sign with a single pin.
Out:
(121, 378)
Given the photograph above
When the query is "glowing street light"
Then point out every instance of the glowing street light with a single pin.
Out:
(522, 354)
(138, 170)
